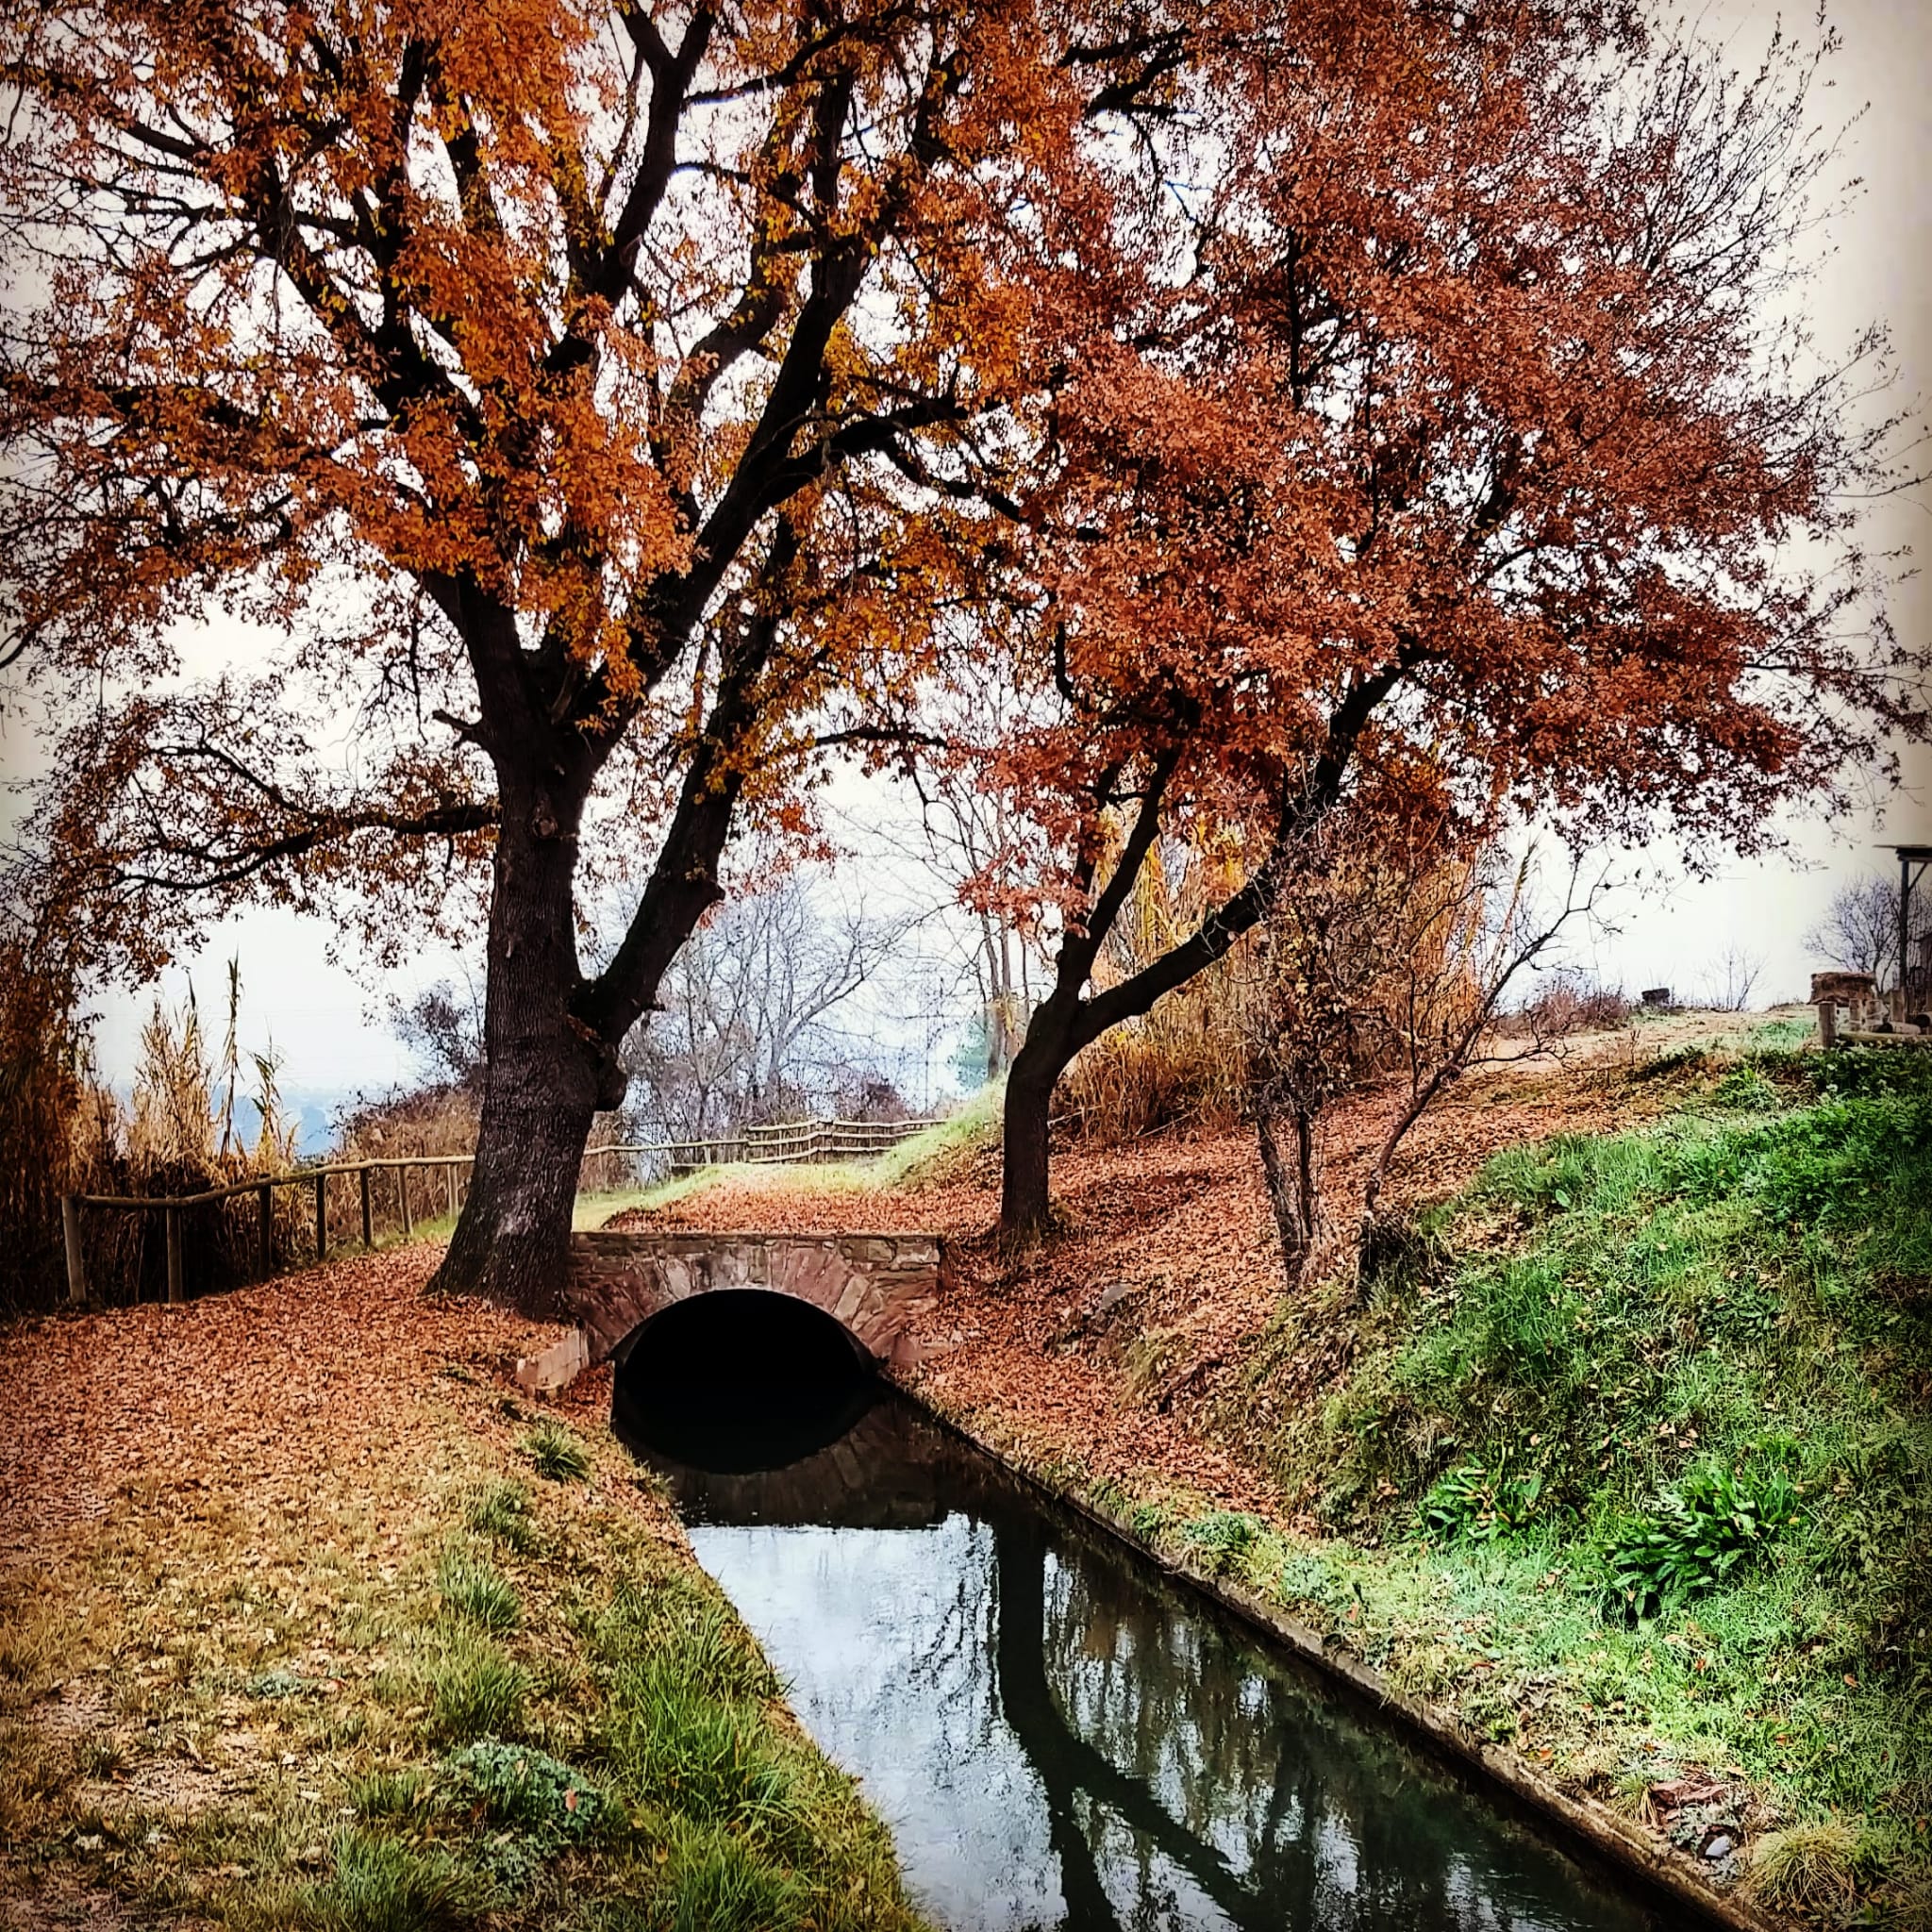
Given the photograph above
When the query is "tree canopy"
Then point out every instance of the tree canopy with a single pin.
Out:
(612, 408)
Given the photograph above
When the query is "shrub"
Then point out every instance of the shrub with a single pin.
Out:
(556, 1454)
(1697, 1536)
(476, 1591)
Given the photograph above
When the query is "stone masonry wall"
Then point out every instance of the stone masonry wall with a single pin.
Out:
(872, 1284)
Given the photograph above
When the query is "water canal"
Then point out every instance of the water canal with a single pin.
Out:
(1059, 1734)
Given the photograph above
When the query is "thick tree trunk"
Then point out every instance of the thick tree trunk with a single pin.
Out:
(1026, 1205)
(548, 1075)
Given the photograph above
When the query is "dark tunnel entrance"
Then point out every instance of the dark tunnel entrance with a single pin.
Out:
(739, 1380)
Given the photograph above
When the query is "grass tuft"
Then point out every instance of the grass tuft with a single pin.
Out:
(475, 1691)
(477, 1592)
(503, 1513)
(392, 1794)
(556, 1454)
(1807, 1868)
(382, 1885)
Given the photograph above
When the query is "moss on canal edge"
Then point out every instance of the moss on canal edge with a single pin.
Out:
(1622, 1839)
(435, 1689)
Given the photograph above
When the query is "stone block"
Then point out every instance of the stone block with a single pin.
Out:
(1843, 986)
(555, 1367)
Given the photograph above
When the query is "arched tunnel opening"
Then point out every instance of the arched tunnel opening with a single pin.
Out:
(739, 1380)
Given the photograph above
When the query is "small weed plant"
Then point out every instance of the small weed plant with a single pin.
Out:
(1479, 1504)
(1224, 1537)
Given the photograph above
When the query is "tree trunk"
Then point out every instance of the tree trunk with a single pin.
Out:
(1287, 1137)
(1026, 1205)
(548, 1075)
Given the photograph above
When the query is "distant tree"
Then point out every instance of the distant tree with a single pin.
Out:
(1859, 930)
(742, 1035)
(1732, 981)
(444, 1025)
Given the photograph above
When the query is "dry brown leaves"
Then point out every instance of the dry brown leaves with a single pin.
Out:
(1184, 1224)
(265, 1389)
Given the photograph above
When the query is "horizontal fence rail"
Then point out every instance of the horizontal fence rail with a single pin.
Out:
(786, 1144)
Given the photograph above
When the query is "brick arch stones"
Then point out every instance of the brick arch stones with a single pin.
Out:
(872, 1285)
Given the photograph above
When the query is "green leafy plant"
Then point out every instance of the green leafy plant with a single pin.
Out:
(556, 1454)
(1224, 1537)
(551, 1801)
(1697, 1536)
(1474, 1502)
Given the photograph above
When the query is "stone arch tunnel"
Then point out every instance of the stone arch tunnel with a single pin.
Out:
(872, 1284)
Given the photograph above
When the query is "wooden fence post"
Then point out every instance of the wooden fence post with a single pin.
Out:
(1827, 1022)
(368, 1220)
(171, 1217)
(402, 1194)
(266, 1230)
(77, 1261)
(449, 1187)
(321, 1216)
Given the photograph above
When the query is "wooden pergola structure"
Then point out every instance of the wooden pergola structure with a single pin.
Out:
(1912, 862)
(1852, 1010)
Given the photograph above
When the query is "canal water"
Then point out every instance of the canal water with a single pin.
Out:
(1058, 1733)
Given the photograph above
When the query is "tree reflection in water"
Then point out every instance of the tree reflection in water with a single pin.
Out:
(1061, 1737)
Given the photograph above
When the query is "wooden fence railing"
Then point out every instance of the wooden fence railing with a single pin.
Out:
(805, 1141)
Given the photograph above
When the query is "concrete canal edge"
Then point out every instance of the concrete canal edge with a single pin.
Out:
(1619, 1839)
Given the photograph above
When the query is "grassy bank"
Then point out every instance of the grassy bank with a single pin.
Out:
(1628, 1462)
(458, 1669)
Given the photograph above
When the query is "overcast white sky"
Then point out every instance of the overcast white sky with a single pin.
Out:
(330, 1023)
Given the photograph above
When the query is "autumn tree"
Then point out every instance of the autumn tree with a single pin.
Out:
(568, 399)
(1462, 460)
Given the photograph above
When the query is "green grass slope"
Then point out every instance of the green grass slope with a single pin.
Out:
(1631, 1462)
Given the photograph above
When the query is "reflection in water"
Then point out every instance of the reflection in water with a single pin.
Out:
(1061, 1737)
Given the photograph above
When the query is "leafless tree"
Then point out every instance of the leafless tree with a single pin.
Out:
(969, 841)
(1391, 962)
(1859, 930)
(742, 1033)
(1731, 982)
